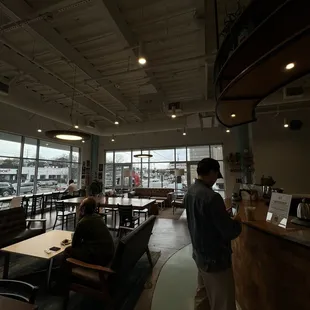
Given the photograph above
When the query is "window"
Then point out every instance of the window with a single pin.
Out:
(162, 156)
(9, 145)
(196, 153)
(109, 157)
(54, 151)
(173, 168)
(180, 154)
(31, 173)
(122, 157)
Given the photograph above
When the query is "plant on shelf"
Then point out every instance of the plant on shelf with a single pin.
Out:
(235, 161)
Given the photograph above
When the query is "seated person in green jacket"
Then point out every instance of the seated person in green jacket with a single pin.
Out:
(92, 242)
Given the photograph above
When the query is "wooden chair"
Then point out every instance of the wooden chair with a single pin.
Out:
(109, 283)
(63, 214)
(126, 216)
(177, 201)
(18, 290)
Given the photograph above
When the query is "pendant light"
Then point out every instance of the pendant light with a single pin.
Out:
(143, 155)
(141, 58)
(69, 134)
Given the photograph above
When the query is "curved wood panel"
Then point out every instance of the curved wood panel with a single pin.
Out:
(256, 68)
(264, 77)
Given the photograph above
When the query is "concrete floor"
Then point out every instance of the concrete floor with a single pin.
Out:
(176, 285)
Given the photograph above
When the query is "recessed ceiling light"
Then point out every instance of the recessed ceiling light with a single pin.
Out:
(290, 66)
(228, 130)
(39, 130)
(46, 144)
(233, 115)
(142, 60)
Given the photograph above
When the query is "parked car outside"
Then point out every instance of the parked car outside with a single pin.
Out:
(6, 189)
(26, 188)
(47, 183)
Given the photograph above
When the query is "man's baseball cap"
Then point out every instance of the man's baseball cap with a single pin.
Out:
(209, 164)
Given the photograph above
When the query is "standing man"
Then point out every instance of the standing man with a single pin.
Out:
(211, 230)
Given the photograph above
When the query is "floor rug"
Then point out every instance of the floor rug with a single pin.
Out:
(28, 269)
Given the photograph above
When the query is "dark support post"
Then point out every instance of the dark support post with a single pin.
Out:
(244, 143)
(94, 157)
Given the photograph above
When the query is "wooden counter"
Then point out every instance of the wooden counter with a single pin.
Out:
(271, 264)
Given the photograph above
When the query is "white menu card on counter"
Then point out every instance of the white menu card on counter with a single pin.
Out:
(279, 209)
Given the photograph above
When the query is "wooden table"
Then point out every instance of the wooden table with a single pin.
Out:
(136, 203)
(35, 247)
(13, 304)
(113, 202)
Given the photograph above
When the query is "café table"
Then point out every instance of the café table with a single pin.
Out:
(112, 203)
(13, 304)
(36, 247)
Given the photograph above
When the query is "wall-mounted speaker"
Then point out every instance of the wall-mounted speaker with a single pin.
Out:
(296, 124)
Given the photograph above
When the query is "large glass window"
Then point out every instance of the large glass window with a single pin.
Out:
(166, 168)
(196, 153)
(31, 166)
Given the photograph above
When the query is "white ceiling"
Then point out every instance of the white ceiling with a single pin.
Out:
(54, 53)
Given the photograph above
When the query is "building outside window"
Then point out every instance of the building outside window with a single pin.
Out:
(173, 168)
(35, 166)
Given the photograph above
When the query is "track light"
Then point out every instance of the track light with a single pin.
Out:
(76, 126)
(184, 132)
(141, 59)
(113, 139)
(116, 122)
(228, 130)
(285, 125)
(39, 130)
(173, 115)
(233, 115)
(83, 141)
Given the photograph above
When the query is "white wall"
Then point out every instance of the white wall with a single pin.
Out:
(282, 153)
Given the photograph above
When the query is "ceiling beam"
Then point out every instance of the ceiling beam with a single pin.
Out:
(19, 10)
(120, 24)
(44, 77)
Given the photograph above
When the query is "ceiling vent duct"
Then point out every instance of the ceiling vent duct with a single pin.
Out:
(296, 125)
(91, 124)
(174, 107)
(294, 92)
